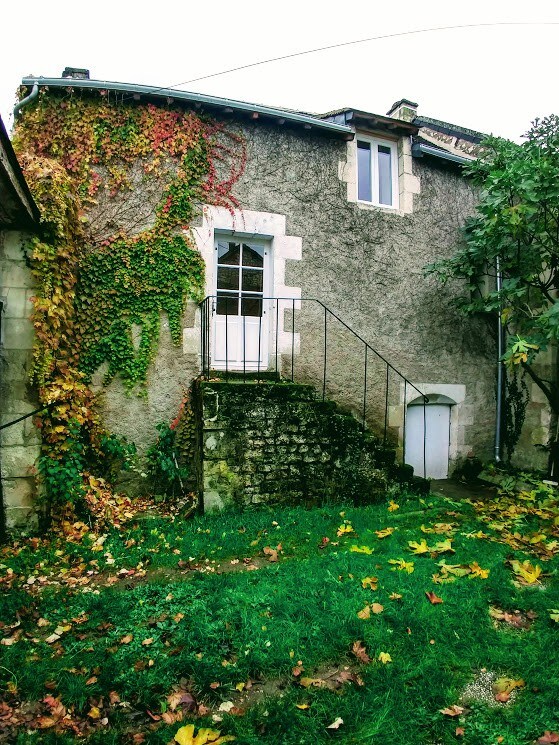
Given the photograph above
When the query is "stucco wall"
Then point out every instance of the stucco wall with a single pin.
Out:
(366, 264)
(20, 443)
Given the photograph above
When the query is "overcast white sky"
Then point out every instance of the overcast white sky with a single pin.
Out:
(491, 79)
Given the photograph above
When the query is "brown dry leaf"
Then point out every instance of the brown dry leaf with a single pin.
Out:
(452, 711)
(377, 608)
(394, 596)
(548, 737)
(91, 681)
(502, 697)
(460, 732)
(114, 698)
(271, 553)
(365, 613)
(127, 639)
(369, 582)
(147, 642)
(52, 638)
(360, 652)
(43, 622)
(296, 671)
(214, 685)
(433, 599)
(181, 698)
(336, 723)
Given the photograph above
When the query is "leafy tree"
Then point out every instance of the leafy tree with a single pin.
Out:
(516, 231)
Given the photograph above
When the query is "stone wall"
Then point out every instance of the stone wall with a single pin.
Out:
(276, 443)
(20, 443)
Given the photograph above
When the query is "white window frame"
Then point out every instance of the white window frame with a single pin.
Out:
(374, 143)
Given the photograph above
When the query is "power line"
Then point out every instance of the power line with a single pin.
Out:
(357, 41)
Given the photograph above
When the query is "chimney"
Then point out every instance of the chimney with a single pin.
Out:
(403, 109)
(77, 73)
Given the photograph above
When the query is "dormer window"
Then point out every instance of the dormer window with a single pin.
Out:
(377, 171)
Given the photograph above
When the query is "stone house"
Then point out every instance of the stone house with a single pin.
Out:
(317, 275)
(19, 442)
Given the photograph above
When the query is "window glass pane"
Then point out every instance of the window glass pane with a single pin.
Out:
(253, 255)
(252, 280)
(364, 186)
(228, 253)
(251, 306)
(384, 175)
(227, 279)
(227, 305)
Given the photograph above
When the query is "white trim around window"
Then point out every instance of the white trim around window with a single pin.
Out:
(377, 171)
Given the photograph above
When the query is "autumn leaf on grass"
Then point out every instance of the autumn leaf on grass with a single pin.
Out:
(439, 528)
(345, 529)
(392, 506)
(360, 652)
(377, 608)
(433, 599)
(452, 711)
(205, 736)
(384, 532)
(402, 565)
(361, 550)
(303, 706)
(369, 582)
(548, 738)
(443, 547)
(503, 687)
(419, 548)
(271, 553)
(554, 614)
(477, 571)
(395, 596)
(385, 658)
(527, 573)
(365, 613)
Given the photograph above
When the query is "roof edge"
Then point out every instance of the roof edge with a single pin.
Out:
(227, 105)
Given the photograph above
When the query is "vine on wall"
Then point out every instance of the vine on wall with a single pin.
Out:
(118, 186)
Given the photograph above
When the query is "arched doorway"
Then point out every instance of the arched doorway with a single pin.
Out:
(429, 419)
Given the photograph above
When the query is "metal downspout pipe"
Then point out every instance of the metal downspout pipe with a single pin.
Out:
(500, 345)
(24, 101)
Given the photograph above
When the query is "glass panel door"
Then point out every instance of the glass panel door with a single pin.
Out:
(240, 327)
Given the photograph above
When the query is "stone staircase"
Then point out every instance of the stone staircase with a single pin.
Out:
(270, 442)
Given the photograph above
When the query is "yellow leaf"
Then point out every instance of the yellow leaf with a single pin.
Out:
(361, 550)
(402, 566)
(303, 706)
(315, 682)
(442, 547)
(385, 532)
(369, 582)
(395, 596)
(477, 571)
(419, 548)
(385, 658)
(392, 506)
(506, 685)
(94, 713)
(527, 573)
(240, 686)
(185, 736)
(344, 529)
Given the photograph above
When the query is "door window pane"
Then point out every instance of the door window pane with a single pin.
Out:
(227, 279)
(364, 186)
(384, 175)
(253, 255)
(253, 280)
(251, 306)
(229, 253)
(227, 305)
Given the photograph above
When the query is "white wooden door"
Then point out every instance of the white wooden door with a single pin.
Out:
(434, 421)
(240, 329)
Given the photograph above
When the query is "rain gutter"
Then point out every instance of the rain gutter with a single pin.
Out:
(170, 95)
(419, 150)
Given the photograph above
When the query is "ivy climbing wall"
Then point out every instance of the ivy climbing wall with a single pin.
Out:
(119, 187)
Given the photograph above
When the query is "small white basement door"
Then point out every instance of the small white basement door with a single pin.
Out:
(433, 421)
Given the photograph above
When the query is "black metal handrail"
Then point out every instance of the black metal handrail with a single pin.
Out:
(287, 370)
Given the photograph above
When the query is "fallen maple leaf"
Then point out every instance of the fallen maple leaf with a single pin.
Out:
(433, 599)
(402, 565)
(385, 532)
(360, 652)
(392, 506)
(548, 737)
(443, 547)
(185, 736)
(477, 571)
(419, 548)
(361, 549)
(372, 583)
(452, 711)
(344, 529)
(394, 596)
(526, 572)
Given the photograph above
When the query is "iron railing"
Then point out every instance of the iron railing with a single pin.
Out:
(302, 340)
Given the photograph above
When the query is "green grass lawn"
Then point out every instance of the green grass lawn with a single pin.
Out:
(129, 636)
